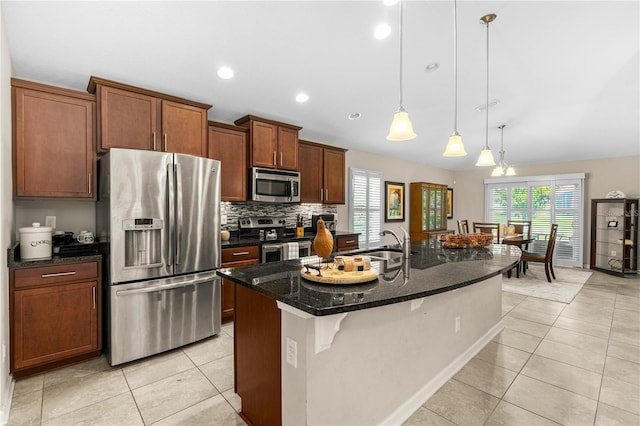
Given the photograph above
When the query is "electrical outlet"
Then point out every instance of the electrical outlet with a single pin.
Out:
(50, 221)
(613, 252)
(457, 324)
(292, 352)
(223, 219)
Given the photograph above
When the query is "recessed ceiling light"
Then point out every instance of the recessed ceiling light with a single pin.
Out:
(302, 97)
(382, 31)
(354, 116)
(492, 103)
(390, 2)
(433, 66)
(225, 73)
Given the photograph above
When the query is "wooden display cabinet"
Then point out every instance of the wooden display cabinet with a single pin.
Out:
(228, 144)
(428, 210)
(614, 235)
(322, 173)
(136, 118)
(272, 144)
(53, 141)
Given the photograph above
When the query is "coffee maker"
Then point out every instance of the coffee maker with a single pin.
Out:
(329, 221)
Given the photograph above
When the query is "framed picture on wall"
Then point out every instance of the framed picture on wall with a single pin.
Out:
(394, 201)
(449, 203)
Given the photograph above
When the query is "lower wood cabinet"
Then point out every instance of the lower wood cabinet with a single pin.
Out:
(231, 258)
(346, 242)
(55, 316)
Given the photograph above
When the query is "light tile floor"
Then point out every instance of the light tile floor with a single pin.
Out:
(554, 363)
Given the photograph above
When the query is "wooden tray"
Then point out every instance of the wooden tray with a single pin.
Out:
(330, 276)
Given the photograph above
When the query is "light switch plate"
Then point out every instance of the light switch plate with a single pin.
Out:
(50, 221)
(223, 219)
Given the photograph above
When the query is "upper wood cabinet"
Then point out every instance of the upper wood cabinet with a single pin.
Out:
(428, 210)
(131, 117)
(322, 173)
(53, 141)
(228, 144)
(271, 144)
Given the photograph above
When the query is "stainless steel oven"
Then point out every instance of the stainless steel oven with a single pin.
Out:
(275, 252)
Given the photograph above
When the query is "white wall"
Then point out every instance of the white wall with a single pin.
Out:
(6, 217)
(394, 170)
(602, 176)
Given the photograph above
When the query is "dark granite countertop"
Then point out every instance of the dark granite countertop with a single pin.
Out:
(234, 241)
(430, 270)
(14, 261)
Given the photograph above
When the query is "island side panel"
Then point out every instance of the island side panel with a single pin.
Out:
(385, 362)
(257, 357)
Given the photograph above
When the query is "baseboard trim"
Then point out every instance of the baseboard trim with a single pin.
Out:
(5, 404)
(403, 412)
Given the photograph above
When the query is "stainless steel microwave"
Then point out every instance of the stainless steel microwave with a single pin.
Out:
(275, 186)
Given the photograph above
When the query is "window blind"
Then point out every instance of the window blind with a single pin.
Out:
(365, 209)
(543, 200)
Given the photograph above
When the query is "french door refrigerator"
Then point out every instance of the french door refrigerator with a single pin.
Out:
(158, 222)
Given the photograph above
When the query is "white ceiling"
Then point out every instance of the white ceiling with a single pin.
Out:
(566, 73)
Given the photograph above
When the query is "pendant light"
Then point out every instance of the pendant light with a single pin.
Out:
(503, 169)
(486, 157)
(401, 128)
(455, 147)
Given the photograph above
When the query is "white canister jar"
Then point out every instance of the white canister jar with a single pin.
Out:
(35, 242)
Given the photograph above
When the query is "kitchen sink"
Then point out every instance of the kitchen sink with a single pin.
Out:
(392, 257)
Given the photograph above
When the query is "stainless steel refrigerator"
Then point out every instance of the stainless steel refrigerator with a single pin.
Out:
(158, 222)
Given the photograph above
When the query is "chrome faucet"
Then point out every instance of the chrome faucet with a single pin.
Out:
(405, 243)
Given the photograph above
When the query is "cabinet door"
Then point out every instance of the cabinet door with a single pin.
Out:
(264, 144)
(287, 149)
(228, 289)
(334, 163)
(54, 145)
(230, 148)
(310, 161)
(53, 323)
(127, 119)
(184, 129)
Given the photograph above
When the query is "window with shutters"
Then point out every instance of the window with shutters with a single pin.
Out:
(365, 208)
(543, 200)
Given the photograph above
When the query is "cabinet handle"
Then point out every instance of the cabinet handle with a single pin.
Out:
(274, 159)
(326, 195)
(350, 241)
(154, 141)
(321, 194)
(280, 158)
(240, 253)
(165, 143)
(59, 274)
(94, 296)
(89, 183)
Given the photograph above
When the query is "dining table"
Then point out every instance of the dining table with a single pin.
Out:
(520, 240)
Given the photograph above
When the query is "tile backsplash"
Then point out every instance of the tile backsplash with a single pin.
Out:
(279, 210)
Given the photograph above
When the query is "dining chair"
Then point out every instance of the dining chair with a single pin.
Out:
(463, 226)
(547, 258)
(521, 227)
(488, 228)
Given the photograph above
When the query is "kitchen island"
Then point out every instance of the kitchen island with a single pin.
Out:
(371, 353)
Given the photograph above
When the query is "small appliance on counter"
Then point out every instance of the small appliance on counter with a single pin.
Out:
(329, 222)
(35, 242)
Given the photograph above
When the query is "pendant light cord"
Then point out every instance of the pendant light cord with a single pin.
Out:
(401, 106)
(455, 68)
(486, 136)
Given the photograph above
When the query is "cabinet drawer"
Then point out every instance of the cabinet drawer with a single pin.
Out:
(240, 253)
(347, 243)
(46, 275)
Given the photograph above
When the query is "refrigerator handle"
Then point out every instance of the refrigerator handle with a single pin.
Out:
(171, 210)
(179, 208)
